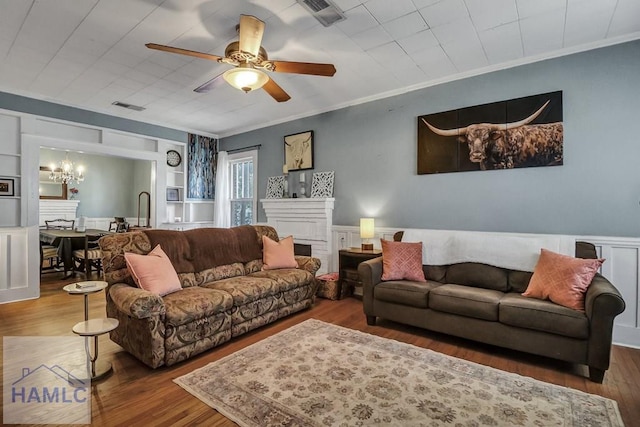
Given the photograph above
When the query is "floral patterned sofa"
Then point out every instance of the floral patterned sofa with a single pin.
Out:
(225, 292)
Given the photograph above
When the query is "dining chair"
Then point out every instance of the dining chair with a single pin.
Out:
(50, 254)
(60, 224)
(89, 257)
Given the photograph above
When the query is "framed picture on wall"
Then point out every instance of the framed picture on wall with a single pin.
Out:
(7, 187)
(298, 151)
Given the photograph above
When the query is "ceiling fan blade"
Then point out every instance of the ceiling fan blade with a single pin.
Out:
(183, 51)
(251, 31)
(276, 91)
(304, 68)
(211, 84)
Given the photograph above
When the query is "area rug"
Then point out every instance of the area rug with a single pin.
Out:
(318, 374)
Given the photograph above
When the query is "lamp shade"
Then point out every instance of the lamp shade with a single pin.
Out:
(366, 228)
(245, 77)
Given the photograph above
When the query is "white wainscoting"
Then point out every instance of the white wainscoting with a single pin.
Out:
(18, 256)
(103, 223)
(57, 209)
(622, 268)
(345, 237)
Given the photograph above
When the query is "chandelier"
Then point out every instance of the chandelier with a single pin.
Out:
(66, 172)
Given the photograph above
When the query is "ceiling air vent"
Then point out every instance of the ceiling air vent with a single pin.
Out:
(129, 106)
(324, 11)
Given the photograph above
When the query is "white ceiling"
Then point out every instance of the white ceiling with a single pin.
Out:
(91, 53)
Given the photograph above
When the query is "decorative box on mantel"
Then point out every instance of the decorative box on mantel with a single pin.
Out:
(308, 220)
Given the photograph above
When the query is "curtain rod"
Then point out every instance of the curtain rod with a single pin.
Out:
(251, 147)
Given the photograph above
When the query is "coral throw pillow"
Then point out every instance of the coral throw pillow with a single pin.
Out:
(562, 279)
(153, 272)
(278, 254)
(402, 260)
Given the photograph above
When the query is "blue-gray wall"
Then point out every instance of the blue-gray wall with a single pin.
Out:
(372, 149)
(111, 184)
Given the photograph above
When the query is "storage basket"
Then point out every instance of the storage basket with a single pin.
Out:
(329, 287)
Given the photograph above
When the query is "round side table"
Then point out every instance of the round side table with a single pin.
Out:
(92, 328)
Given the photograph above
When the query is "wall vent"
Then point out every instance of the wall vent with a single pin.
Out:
(129, 106)
(324, 11)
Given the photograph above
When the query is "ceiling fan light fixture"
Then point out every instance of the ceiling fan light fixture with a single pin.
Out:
(246, 78)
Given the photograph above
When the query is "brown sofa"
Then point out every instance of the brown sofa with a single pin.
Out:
(224, 292)
(484, 303)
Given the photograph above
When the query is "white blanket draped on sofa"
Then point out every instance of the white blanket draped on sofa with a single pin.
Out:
(506, 250)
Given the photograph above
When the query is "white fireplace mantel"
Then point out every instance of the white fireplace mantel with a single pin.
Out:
(57, 209)
(308, 220)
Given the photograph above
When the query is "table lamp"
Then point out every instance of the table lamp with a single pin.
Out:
(366, 232)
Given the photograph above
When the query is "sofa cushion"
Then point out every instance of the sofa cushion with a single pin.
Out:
(195, 303)
(153, 272)
(405, 292)
(540, 315)
(253, 266)
(219, 273)
(562, 279)
(191, 251)
(402, 260)
(519, 280)
(277, 255)
(478, 275)
(245, 289)
(466, 301)
(436, 273)
(286, 279)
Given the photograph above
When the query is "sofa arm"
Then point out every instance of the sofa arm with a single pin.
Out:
(603, 299)
(603, 302)
(311, 264)
(370, 273)
(136, 302)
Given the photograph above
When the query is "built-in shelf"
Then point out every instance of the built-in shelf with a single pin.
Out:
(10, 154)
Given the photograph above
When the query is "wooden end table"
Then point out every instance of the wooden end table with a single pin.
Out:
(348, 260)
(91, 328)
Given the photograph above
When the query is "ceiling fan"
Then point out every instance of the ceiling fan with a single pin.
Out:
(249, 59)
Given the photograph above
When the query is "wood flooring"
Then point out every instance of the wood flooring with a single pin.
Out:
(135, 395)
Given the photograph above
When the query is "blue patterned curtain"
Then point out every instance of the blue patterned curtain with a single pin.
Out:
(202, 155)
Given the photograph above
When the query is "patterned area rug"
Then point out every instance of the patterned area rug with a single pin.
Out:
(318, 374)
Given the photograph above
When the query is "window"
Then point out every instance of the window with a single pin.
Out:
(243, 176)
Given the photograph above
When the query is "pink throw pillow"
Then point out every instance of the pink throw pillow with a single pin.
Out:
(562, 279)
(402, 260)
(153, 272)
(278, 254)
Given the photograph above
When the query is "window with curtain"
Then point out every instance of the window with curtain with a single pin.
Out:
(243, 194)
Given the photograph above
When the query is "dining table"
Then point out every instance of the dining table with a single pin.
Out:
(68, 241)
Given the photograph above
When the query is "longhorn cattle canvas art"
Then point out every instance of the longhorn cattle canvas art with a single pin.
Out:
(519, 133)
